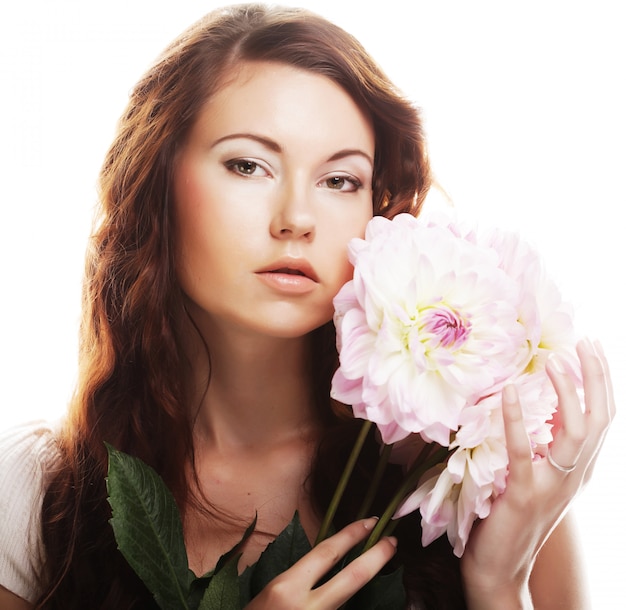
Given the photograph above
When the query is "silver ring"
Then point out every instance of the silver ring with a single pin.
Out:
(565, 469)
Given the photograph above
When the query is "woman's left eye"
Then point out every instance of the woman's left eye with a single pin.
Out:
(346, 184)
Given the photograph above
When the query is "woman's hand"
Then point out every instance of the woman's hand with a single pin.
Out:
(293, 589)
(501, 551)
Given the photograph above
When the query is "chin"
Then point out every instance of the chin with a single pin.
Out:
(292, 329)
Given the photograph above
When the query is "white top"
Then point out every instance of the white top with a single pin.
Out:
(26, 454)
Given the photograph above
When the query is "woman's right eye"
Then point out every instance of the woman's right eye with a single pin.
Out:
(245, 167)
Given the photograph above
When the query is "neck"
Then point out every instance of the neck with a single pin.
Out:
(251, 391)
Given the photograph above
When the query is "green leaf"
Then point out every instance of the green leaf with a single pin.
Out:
(383, 592)
(199, 585)
(223, 590)
(245, 586)
(290, 545)
(148, 529)
(227, 557)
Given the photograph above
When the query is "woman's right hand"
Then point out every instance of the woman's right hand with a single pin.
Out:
(294, 588)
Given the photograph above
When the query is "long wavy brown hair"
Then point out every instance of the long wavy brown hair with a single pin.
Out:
(132, 362)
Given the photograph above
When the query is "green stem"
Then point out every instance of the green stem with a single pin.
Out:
(375, 483)
(390, 527)
(343, 481)
(412, 478)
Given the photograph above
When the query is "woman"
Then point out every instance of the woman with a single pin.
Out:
(253, 150)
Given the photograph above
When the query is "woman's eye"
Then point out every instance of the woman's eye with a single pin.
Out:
(346, 184)
(245, 167)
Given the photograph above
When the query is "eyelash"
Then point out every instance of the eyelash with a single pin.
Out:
(234, 165)
(355, 182)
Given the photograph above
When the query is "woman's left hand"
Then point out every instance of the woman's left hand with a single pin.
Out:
(501, 551)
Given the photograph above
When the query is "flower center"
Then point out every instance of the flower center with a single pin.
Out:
(445, 326)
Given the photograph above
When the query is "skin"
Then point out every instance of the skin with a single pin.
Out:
(274, 102)
(242, 203)
(253, 197)
(252, 191)
(504, 547)
(10, 601)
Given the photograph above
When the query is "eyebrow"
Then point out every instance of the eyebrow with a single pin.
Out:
(349, 152)
(250, 136)
(274, 146)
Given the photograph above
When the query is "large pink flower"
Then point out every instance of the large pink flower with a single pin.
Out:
(438, 318)
(548, 320)
(428, 325)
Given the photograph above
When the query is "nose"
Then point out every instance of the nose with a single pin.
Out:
(294, 216)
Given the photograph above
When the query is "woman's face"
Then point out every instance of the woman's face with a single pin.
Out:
(274, 180)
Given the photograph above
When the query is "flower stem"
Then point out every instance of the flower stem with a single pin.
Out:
(343, 481)
(413, 476)
(375, 483)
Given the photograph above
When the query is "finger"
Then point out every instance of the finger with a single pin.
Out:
(592, 461)
(596, 382)
(556, 422)
(607, 377)
(570, 439)
(517, 441)
(356, 574)
(327, 553)
(599, 398)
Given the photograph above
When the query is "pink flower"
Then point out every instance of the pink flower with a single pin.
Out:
(547, 319)
(461, 491)
(427, 326)
(438, 318)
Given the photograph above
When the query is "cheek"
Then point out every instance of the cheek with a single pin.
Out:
(194, 228)
(198, 209)
(338, 253)
(187, 205)
(345, 270)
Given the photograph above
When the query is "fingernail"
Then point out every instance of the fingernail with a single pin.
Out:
(556, 364)
(598, 347)
(588, 345)
(509, 393)
(393, 540)
(370, 523)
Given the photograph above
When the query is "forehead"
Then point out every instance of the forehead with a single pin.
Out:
(287, 103)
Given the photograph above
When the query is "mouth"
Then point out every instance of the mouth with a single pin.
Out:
(297, 268)
(289, 277)
(288, 271)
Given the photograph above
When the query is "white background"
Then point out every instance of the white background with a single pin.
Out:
(525, 111)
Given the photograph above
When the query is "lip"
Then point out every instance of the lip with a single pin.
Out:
(289, 276)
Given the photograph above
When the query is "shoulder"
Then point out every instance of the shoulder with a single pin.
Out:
(28, 437)
(27, 453)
